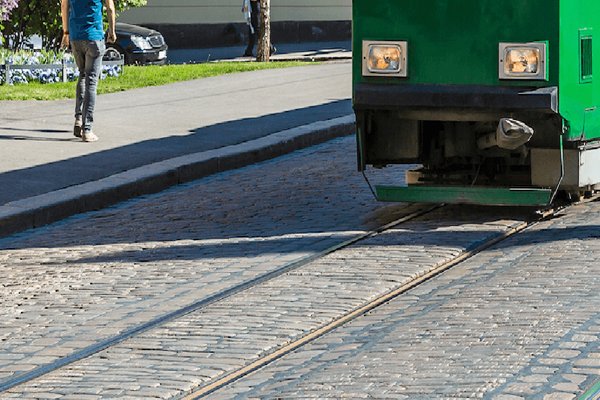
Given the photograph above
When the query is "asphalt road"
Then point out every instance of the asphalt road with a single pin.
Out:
(143, 126)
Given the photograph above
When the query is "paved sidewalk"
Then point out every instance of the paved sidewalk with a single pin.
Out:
(155, 137)
(316, 51)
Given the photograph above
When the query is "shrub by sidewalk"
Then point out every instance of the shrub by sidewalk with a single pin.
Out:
(45, 67)
(136, 77)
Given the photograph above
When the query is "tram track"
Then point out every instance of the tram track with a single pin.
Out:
(285, 348)
(206, 390)
(132, 332)
(281, 351)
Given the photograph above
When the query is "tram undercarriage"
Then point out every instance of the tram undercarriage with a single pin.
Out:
(478, 157)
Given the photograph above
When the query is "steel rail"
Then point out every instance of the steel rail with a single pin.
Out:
(357, 312)
(592, 393)
(198, 305)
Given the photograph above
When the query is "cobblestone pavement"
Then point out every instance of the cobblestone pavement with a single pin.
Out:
(68, 285)
(90, 277)
(194, 350)
(223, 337)
(519, 321)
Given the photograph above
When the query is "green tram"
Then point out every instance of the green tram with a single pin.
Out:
(496, 101)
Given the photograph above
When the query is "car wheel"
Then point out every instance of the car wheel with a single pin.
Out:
(112, 54)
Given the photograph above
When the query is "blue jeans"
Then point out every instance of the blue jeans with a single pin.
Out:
(88, 57)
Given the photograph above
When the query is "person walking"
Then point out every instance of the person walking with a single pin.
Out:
(251, 11)
(83, 31)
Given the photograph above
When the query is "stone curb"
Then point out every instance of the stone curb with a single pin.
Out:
(50, 207)
(323, 59)
(285, 58)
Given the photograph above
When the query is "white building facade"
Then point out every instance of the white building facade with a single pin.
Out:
(206, 23)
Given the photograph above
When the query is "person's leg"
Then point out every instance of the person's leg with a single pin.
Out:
(78, 49)
(250, 46)
(93, 69)
(252, 35)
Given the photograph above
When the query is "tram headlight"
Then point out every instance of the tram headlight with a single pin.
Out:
(523, 61)
(384, 58)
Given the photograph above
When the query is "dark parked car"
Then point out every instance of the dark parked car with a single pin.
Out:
(138, 45)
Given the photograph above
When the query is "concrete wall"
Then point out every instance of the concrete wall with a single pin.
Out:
(225, 11)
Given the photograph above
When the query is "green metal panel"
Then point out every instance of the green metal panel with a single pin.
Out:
(464, 195)
(456, 41)
(579, 99)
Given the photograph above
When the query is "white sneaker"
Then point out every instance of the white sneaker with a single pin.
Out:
(77, 127)
(88, 136)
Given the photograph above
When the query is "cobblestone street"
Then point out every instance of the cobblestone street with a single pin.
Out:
(104, 271)
(517, 321)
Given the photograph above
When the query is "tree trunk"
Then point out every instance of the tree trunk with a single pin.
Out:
(264, 36)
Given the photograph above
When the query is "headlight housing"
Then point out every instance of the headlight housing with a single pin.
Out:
(141, 42)
(523, 61)
(384, 58)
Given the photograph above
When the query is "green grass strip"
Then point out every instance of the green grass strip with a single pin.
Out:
(137, 77)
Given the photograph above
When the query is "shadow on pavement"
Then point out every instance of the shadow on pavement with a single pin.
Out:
(37, 138)
(252, 247)
(233, 216)
(30, 130)
(54, 176)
